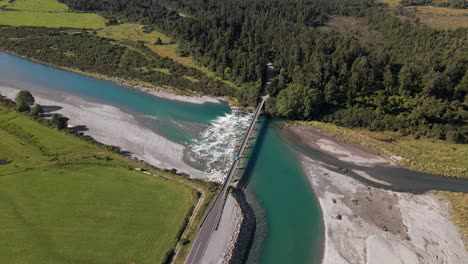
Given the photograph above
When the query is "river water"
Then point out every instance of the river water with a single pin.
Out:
(289, 218)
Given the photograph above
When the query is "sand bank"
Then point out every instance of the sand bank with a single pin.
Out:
(182, 98)
(343, 151)
(112, 126)
(364, 224)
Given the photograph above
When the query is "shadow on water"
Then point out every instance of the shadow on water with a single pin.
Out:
(399, 179)
(260, 229)
(253, 154)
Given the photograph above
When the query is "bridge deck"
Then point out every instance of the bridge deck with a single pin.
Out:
(211, 221)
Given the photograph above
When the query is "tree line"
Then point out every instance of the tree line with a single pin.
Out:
(413, 80)
(86, 52)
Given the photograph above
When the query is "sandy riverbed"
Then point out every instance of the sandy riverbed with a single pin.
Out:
(182, 98)
(112, 126)
(365, 224)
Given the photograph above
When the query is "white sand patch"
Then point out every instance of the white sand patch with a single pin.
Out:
(111, 126)
(383, 251)
(182, 98)
(369, 225)
(347, 155)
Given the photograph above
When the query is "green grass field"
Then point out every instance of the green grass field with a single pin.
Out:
(63, 200)
(46, 13)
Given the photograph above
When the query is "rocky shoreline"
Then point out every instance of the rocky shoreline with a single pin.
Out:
(242, 244)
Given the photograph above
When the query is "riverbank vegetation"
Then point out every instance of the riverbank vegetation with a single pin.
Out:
(88, 53)
(413, 82)
(66, 199)
(393, 74)
(459, 212)
(426, 155)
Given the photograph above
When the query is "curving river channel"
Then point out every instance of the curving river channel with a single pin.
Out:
(290, 226)
(289, 221)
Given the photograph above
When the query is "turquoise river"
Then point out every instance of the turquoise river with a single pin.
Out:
(289, 227)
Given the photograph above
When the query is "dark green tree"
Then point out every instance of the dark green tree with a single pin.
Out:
(37, 110)
(59, 121)
(24, 97)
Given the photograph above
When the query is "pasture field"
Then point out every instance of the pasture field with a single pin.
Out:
(46, 13)
(64, 200)
(35, 5)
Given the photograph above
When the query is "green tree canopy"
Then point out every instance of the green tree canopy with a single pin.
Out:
(24, 97)
(59, 121)
(36, 110)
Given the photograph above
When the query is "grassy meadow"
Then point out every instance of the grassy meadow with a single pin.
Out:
(442, 18)
(46, 13)
(134, 32)
(64, 200)
(427, 155)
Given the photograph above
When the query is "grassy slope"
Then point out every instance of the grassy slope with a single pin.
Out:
(87, 207)
(433, 156)
(134, 32)
(47, 13)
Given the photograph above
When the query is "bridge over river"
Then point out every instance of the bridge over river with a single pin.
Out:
(211, 221)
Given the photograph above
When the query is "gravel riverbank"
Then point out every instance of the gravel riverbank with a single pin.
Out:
(368, 224)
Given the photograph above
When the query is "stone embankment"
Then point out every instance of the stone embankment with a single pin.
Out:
(242, 239)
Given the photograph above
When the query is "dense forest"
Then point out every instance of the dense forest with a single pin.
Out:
(405, 77)
(88, 53)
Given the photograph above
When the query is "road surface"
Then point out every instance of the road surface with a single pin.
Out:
(213, 217)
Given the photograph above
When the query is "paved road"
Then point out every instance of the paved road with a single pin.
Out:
(213, 217)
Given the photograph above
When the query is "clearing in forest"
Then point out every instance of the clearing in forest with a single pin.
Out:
(441, 17)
